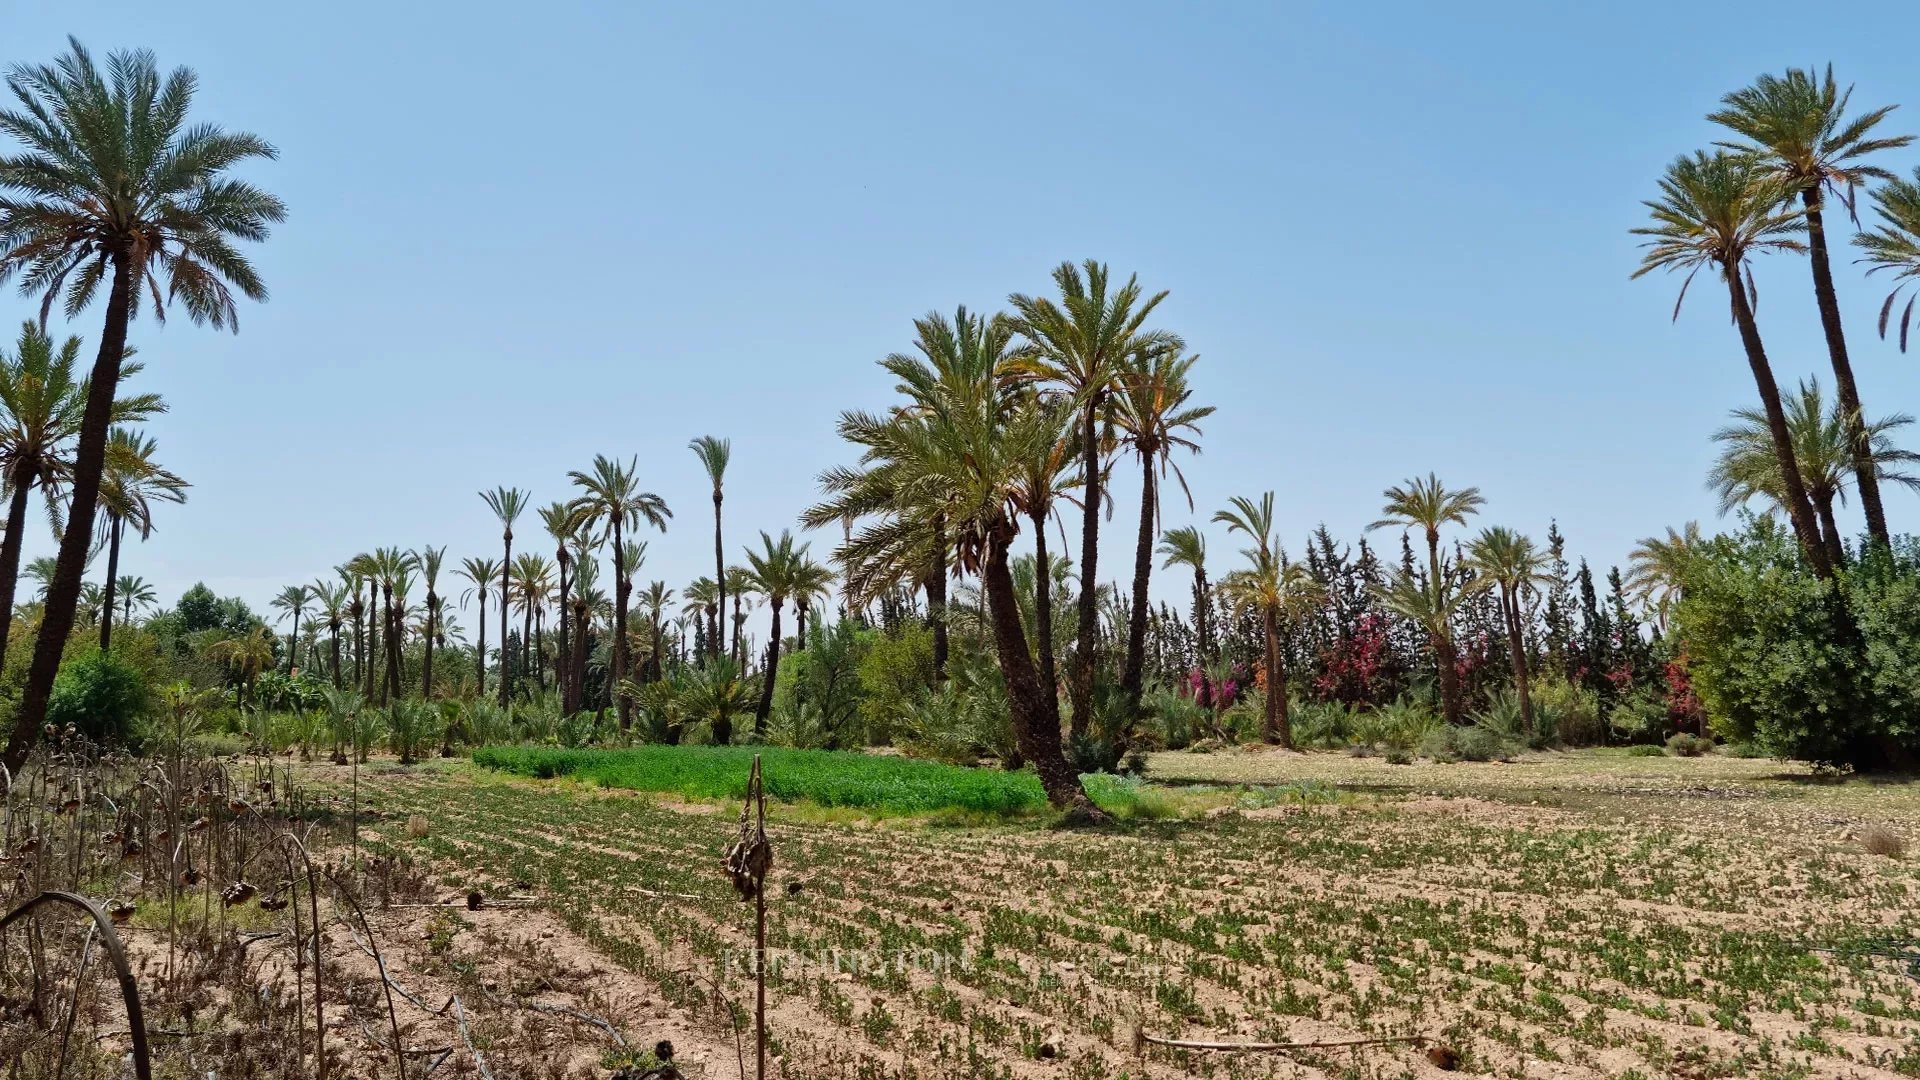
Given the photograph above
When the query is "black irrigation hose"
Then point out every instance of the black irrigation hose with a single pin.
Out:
(129, 992)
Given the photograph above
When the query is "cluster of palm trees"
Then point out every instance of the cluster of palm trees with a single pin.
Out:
(110, 188)
(1791, 147)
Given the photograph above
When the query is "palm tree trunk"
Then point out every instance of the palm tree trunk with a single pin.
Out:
(293, 645)
(63, 593)
(114, 528)
(620, 575)
(1867, 477)
(333, 628)
(1445, 659)
(1517, 652)
(1829, 529)
(937, 597)
(1036, 717)
(527, 663)
(480, 661)
(10, 553)
(1799, 510)
(1133, 675)
(560, 662)
(1203, 614)
(506, 578)
(426, 662)
(1080, 678)
(1278, 724)
(579, 674)
(739, 632)
(719, 571)
(773, 668)
(539, 647)
(1043, 613)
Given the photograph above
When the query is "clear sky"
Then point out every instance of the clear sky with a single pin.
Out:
(522, 234)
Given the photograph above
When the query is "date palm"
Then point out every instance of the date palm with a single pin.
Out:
(1656, 569)
(479, 572)
(330, 599)
(1153, 414)
(136, 594)
(1186, 546)
(1080, 343)
(1796, 127)
(244, 656)
(811, 581)
(507, 505)
(774, 572)
(1428, 505)
(532, 582)
(738, 583)
(611, 502)
(697, 603)
(655, 599)
(1277, 590)
(714, 455)
(113, 185)
(429, 559)
(1506, 560)
(1894, 246)
(1747, 469)
(1715, 212)
(42, 402)
(134, 481)
(292, 603)
(562, 526)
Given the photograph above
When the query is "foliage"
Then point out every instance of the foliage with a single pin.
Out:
(895, 675)
(1569, 713)
(99, 695)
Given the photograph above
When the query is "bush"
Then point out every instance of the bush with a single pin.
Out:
(1323, 725)
(100, 695)
(1640, 718)
(1469, 743)
(1502, 716)
(1570, 713)
(1645, 750)
(1682, 744)
(1820, 671)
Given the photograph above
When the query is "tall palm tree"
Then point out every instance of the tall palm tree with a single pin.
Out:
(532, 581)
(739, 583)
(586, 572)
(134, 481)
(958, 462)
(1822, 445)
(507, 505)
(811, 580)
(1895, 246)
(611, 501)
(42, 403)
(245, 656)
(352, 577)
(135, 594)
(1039, 482)
(562, 525)
(774, 573)
(654, 601)
(697, 602)
(714, 455)
(330, 600)
(1504, 559)
(113, 185)
(1796, 127)
(1716, 211)
(479, 572)
(1080, 343)
(1275, 589)
(1428, 505)
(1154, 419)
(292, 602)
(1656, 569)
(1186, 546)
(428, 559)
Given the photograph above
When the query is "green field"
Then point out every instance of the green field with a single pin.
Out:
(871, 782)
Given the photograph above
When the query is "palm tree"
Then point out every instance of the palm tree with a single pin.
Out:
(716, 693)
(480, 573)
(1040, 480)
(245, 656)
(612, 502)
(132, 484)
(292, 602)
(562, 526)
(1186, 546)
(774, 572)
(714, 455)
(1796, 127)
(1275, 589)
(1656, 569)
(135, 593)
(959, 462)
(654, 601)
(811, 580)
(428, 559)
(42, 404)
(1895, 246)
(1716, 211)
(1746, 467)
(1503, 558)
(507, 504)
(585, 601)
(331, 599)
(1154, 419)
(1081, 343)
(532, 581)
(114, 185)
(739, 583)
(697, 602)
(1427, 505)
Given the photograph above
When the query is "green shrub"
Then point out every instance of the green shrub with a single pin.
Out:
(1323, 725)
(1571, 714)
(1825, 672)
(1645, 750)
(1471, 742)
(100, 695)
(1682, 744)
(894, 674)
(1640, 718)
(1175, 720)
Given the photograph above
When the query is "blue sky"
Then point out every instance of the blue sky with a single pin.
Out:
(525, 234)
